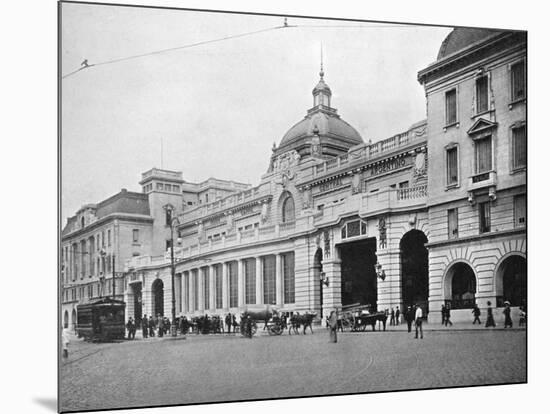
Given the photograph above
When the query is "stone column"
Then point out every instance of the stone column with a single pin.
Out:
(259, 282)
(201, 288)
(225, 287)
(279, 279)
(212, 292)
(240, 282)
(389, 290)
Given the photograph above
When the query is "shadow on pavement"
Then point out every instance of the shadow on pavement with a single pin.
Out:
(49, 403)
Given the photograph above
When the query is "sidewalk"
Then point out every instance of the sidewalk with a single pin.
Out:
(459, 326)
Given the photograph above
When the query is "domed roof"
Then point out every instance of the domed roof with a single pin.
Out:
(324, 124)
(462, 37)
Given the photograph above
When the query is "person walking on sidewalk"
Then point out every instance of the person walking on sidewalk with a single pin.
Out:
(228, 321)
(145, 326)
(333, 324)
(409, 318)
(65, 341)
(392, 317)
(448, 315)
(130, 327)
(443, 313)
(151, 326)
(397, 315)
(490, 320)
(507, 318)
(418, 322)
(160, 322)
(477, 314)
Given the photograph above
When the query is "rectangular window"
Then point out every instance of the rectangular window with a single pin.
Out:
(195, 289)
(452, 221)
(206, 287)
(288, 277)
(160, 186)
(232, 270)
(102, 239)
(219, 286)
(482, 94)
(484, 155)
(520, 210)
(168, 217)
(404, 184)
(450, 107)
(269, 279)
(108, 237)
(519, 147)
(135, 235)
(452, 166)
(517, 72)
(484, 217)
(250, 281)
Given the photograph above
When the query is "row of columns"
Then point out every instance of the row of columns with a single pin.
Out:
(191, 304)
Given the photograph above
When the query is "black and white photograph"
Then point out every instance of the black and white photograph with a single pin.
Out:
(259, 207)
(274, 207)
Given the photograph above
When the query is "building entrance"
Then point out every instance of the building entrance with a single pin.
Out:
(359, 284)
(414, 270)
(158, 298)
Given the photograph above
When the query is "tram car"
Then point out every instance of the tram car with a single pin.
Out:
(101, 320)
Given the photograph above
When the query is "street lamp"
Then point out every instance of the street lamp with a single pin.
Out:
(169, 208)
(381, 273)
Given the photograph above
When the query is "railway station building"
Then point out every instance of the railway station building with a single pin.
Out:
(434, 215)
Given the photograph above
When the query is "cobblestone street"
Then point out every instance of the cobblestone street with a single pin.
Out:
(224, 368)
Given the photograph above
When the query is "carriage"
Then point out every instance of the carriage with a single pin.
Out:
(101, 320)
(358, 317)
(273, 321)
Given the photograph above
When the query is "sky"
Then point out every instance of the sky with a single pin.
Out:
(216, 109)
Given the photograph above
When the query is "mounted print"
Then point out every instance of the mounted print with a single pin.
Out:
(251, 201)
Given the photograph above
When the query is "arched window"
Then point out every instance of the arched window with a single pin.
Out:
(463, 286)
(288, 209)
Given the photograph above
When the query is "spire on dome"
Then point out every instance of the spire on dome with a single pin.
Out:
(321, 73)
(321, 92)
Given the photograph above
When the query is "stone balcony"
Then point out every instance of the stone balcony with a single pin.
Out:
(483, 180)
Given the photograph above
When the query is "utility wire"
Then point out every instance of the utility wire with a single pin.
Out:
(86, 65)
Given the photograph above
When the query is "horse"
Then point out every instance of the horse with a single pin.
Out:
(297, 320)
(371, 320)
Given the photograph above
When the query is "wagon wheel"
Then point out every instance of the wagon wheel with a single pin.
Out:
(253, 328)
(275, 329)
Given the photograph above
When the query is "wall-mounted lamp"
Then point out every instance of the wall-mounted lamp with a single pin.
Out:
(323, 278)
(492, 194)
(471, 198)
(379, 271)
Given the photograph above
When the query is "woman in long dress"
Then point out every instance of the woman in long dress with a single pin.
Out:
(490, 319)
(333, 324)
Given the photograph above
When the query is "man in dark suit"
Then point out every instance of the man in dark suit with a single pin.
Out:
(145, 326)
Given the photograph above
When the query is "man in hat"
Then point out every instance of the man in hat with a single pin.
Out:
(476, 313)
(507, 318)
(144, 326)
(418, 322)
(397, 315)
(409, 318)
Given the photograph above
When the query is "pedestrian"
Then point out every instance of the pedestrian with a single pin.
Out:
(167, 325)
(339, 322)
(333, 324)
(476, 313)
(397, 315)
(228, 321)
(234, 323)
(418, 322)
(507, 318)
(65, 341)
(522, 316)
(448, 315)
(151, 326)
(130, 326)
(392, 317)
(409, 318)
(144, 326)
(490, 320)
(443, 313)
(160, 320)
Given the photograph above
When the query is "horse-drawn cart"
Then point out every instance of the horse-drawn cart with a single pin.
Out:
(357, 318)
(273, 322)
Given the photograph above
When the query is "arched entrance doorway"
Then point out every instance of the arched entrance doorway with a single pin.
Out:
(414, 269)
(512, 281)
(460, 286)
(317, 278)
(73, 319)
(158, 297)
(66, 320)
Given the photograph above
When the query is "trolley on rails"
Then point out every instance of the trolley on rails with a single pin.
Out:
(101, 320)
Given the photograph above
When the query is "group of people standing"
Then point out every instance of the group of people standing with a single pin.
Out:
(150, 326)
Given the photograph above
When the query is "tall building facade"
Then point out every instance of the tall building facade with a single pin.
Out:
(477, 101)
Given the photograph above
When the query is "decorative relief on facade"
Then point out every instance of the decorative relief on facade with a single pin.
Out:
(356, 183)
(229, 221)
(419, 132)
(315, 146)
(264, 214)
(285, 161)
(420, 169)
(388, 165)
(412, 221)
(326, 237)
(382, 243)
(307, 200)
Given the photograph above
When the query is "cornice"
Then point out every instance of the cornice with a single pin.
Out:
(103, 220)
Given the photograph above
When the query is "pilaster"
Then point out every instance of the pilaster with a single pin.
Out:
(278, 279)
(212, 290)
(240, 283)
(259, 281)
(389, 289)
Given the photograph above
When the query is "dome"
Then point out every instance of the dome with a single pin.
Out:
(322, 133)
(323, 124)
(462, 37)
